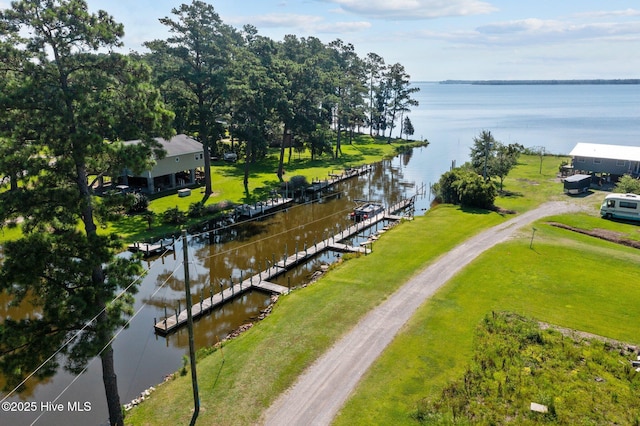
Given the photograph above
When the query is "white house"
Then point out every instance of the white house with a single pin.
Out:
(176, 170)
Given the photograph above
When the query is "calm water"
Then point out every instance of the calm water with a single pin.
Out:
(449, 116)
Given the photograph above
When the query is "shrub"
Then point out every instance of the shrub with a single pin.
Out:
(196, 210)
(296, 184)
(627, 185)
(465, 187)
(174, 216)
(137, 202)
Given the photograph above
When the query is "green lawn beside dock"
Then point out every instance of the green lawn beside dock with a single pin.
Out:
(552, 282)
(227, 182)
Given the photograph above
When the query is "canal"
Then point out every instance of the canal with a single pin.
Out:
(143, 358)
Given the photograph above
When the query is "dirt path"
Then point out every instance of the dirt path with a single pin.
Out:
(324, 387)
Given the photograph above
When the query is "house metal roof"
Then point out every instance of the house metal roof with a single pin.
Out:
(177, 145)
(611, 152)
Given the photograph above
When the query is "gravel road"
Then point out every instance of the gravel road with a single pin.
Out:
(325, 386)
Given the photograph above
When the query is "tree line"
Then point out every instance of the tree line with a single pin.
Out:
(295, 92)
(68, 100)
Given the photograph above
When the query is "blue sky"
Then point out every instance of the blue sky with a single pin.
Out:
(436, 39)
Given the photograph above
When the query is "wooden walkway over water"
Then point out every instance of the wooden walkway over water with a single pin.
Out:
(334, 178)
(261, 280)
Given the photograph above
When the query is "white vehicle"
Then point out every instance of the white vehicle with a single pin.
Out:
(621, 206)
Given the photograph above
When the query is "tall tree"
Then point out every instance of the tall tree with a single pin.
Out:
(505, 160)
(400, 91)
(482, 152)
(198, 59)
(348, 88)
(255, 91)
(408, 127)
(304, 65)
(77, 104)
(375, 67)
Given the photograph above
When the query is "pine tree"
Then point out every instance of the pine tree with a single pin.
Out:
(70, 103)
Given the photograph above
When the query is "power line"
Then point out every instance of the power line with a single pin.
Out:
(72, 338)
(113, 338)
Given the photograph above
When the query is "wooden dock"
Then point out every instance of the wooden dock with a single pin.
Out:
(151, 249)
(262, 207)
(334, 178)
(260, 281)
(173, 322)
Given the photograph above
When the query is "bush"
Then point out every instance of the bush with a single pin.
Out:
(627, 185)
(174, 216)
(137, 202)
(466, 188)
(296, 184)
(196, 210)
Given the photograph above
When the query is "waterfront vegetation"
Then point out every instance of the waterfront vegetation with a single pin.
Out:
(564, 278)
(228, 187)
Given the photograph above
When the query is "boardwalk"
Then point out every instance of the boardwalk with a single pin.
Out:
(261, 280)
(152, 249)
(262, 207)
(173, 322)
(334, 179)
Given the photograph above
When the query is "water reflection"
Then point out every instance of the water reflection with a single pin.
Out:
(216, 261)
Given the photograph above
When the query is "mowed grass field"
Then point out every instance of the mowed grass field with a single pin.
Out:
(565, 279)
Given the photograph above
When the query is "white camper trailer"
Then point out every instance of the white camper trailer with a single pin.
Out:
(621, 206)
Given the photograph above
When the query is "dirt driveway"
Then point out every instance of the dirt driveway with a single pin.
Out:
(324, 387)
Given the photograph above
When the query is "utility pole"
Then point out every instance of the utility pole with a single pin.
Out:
(192, 352)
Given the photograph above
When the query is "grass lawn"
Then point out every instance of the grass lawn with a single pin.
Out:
(530, 185)
(227, 182)
(240, 381)
(264, 361)
(567, 279)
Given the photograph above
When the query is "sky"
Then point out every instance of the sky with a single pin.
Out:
(435, 39)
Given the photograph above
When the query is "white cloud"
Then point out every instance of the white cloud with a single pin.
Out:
(537, 31)
(279, 20)
(609, 14)
(414, 9)
(307, 23)
(343, 27)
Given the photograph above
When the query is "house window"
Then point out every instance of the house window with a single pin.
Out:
(580, 160)
(177, 159)
(621, 163)
(199, 156)
(597, 161)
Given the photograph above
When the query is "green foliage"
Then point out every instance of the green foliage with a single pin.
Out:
(138, 202)
(464, 187)
(490, 157)
(298, 183)
(196, 209)
(627, 185)
(407, 127)
(516, 363)
(72, 98)
(174, 216)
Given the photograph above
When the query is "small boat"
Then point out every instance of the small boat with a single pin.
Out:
(366, 211)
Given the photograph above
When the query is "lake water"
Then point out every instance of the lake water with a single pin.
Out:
(449, 116)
